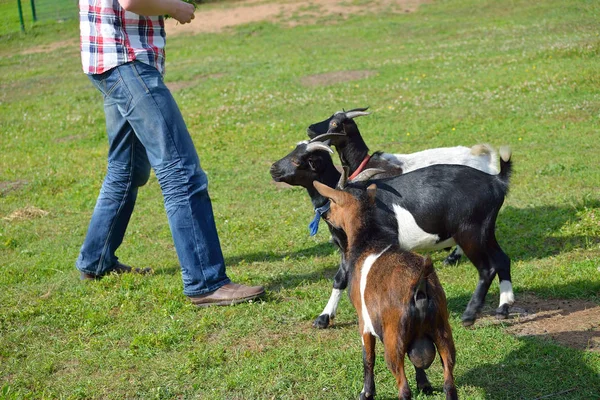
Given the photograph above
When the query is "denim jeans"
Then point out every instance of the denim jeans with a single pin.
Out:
(146, 129)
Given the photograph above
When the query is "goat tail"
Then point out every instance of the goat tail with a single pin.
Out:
(483, 150)
(505, 165)
(421, 351)
(420, 297)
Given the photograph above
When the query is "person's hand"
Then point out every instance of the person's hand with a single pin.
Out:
(183, 12)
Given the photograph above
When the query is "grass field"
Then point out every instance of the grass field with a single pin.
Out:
(46, 12)
(514, 72)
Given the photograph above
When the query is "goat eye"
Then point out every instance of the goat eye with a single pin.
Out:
(334, 124)
(295, 162)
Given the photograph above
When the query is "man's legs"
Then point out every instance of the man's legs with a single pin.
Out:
(158, 123)
(128, 168)
(147, 105)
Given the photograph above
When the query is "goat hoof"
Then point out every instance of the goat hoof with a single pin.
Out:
(502, 312)
(451, 261)
(405, 394)
(366, 396)
(467, 320)
(451, 393)
(426, 389)
(322, 321)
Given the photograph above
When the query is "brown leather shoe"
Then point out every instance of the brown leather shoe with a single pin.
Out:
(231, 293)
(118, 269)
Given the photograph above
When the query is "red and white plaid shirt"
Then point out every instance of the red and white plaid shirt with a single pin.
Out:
(111, 36)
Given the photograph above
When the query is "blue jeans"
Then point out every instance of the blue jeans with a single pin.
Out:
(146, 129)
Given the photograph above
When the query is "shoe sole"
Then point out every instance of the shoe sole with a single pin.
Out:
(229, 302)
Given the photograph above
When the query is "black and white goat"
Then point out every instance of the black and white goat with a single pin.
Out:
(429, 208)
(341, 131)
(310, 162)
(396, 294)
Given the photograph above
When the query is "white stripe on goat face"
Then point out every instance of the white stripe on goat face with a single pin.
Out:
(364, 271)
(411, 236)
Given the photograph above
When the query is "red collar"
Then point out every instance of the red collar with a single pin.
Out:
(360, 167)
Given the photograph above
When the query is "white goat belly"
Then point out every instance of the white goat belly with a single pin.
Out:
(411, 236)
(364, 272)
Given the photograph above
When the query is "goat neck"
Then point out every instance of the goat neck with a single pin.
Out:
(353, 153)
(365, 234)
(329, 177)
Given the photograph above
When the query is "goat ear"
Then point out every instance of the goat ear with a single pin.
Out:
(371, 192)
(324, 190)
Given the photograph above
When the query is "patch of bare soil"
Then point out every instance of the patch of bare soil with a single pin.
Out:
(331, 78)
(70, 138)
(28, 212)
(70, 46)
(11, 186)
(571, 323)
(289, 12)
(178, 85)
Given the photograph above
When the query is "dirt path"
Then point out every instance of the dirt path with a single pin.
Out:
(209, 18)
(571, 323)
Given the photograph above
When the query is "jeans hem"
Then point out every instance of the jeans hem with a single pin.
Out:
(209, 289)
(87, 271)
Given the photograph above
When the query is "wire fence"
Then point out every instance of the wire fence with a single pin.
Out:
(20, 15)
(55, 10)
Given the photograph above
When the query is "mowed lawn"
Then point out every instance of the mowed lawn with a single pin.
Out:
(456, 72)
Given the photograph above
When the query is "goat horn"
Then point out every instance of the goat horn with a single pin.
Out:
(358, 109)
(343, 179)
(312, 146)
(325, 136)
(353, 114)
(368, 174)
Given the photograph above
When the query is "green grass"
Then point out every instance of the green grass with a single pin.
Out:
(47, 12)
(456, 72)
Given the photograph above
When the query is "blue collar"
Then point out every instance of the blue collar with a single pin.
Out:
(319, 211)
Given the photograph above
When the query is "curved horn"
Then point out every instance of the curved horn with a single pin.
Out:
(312, 146)
(368, 174)
(343, 179)
(358, 109)
(325, 136)
(353, 114)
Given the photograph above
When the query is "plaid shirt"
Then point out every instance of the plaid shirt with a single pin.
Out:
(111, 36)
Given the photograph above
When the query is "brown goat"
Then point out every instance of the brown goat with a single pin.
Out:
(397, 295)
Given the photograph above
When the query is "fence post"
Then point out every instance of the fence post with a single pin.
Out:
(21, 16)
(33, 10)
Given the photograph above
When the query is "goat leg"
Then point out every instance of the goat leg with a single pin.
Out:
(368, 391)
(340, 282)
(454, 257)
(507, 297)
(422, 382)
(447, 351)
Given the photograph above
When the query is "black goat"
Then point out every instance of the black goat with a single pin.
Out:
(341, 131)
(429, 208)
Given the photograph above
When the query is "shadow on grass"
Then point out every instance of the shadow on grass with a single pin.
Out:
(536, 370)
(323, 249)
(529, 233)
(524, 233)
(542, 366)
